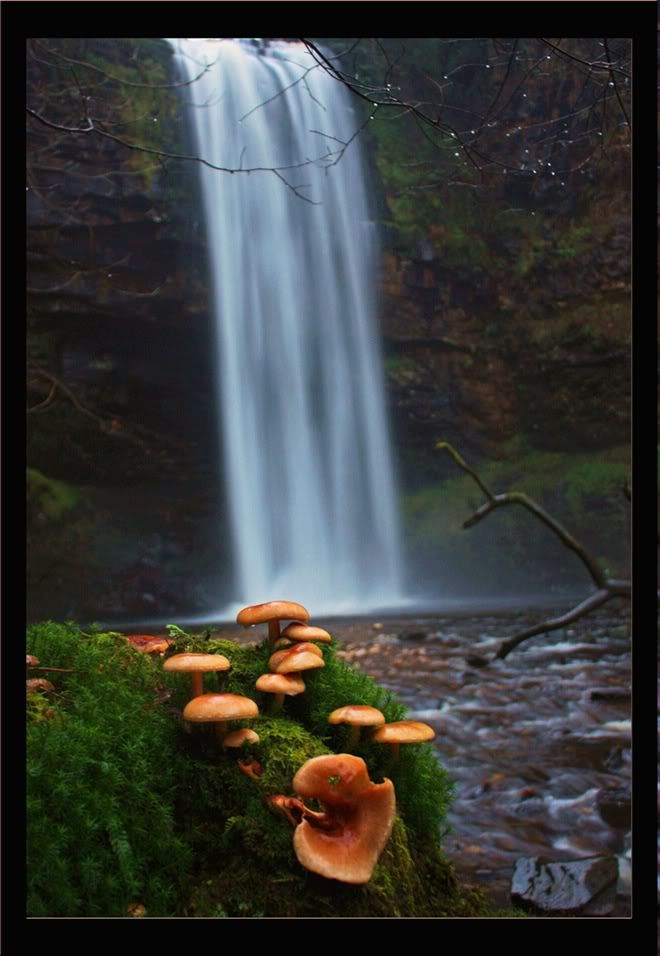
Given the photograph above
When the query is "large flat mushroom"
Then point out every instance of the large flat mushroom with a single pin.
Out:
(271, 613)
(344, 841)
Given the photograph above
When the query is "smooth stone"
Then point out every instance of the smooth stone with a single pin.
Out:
(584, 886)
(413, 636)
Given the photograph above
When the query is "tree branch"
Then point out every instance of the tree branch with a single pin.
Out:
(607, 588)
(590, 604)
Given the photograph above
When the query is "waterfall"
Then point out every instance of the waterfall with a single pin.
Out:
(293, 269)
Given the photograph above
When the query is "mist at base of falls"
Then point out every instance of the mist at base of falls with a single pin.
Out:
(292, 265)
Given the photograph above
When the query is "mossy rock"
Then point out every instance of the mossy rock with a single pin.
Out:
(127, 803)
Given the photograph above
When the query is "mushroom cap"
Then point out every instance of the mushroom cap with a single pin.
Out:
(289, 684)
(403, 732)
(189, 663)
(209, 707)
(148, 644)
(278, 656)
(238, 737)
(297, 659)
(358, 715)
(39, 683)
(31, 661)
(360, 818)
(306, 632)
(272, 611)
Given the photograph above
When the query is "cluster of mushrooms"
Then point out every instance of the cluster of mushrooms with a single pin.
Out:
(344, 840)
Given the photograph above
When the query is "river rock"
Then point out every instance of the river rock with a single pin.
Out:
(413, 636)
(585, 887)
(614, 808)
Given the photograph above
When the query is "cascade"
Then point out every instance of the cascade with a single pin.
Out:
(293, 273)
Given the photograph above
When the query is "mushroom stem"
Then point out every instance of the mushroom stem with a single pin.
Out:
(394, 757)
(278, 703)
(220, 731)
(251, 767)
(273, 631)
(353, 738)
(197, 684)
(322, 820)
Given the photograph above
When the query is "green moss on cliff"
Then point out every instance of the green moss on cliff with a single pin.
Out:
(583, 491)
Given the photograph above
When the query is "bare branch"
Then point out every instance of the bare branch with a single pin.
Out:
(122, 82)
(608, 588)
(590, 604)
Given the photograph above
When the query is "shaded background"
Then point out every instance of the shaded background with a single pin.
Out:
(505, 317)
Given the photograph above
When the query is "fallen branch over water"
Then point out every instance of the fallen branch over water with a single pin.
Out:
(607, 588)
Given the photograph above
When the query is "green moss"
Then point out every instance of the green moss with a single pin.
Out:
(100, 781)
(582, 490)
(48, 497)
(126, 803)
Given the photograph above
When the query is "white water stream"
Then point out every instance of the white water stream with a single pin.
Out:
(299, 372)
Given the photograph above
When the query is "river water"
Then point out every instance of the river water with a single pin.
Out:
(539, 744)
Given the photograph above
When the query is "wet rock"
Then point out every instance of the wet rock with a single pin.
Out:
(617, 694)
(614, 808)
(474, 660)
(413, 636)
(586, 887)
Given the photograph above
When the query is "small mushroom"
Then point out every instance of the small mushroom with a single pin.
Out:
(280, 685)
(272, 612)
(196, 665)
(39, 683)
(237, 738)
(219, 709)
(402, 732)
(148, 644)
(306, 632)
(357, 716)
(345, 840)
(281, 655)
(251, 768)
(299, 658)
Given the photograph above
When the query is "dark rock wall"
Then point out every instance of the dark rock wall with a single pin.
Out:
(523, 346)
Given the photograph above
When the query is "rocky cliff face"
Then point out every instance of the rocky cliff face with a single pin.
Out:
(522, 342)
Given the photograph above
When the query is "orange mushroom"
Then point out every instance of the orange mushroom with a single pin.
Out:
(280, 685)
(402, 732)
(306, 632)
(272, 612)
(196, 665)
(148, 644)
(344, 841)
(219, 709)
(357, 716)
(301, 657)
(295, 650)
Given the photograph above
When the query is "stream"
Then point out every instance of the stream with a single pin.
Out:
(538, 744)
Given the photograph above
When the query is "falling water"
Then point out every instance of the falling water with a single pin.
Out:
(299, 371)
